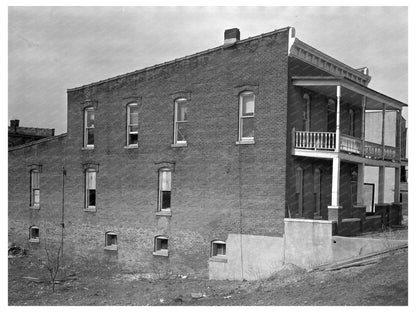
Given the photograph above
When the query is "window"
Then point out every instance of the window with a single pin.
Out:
(132, 124)
(218, 248)
(110, 241)
(181, 120)
(34, 189)
(89, 117)
(90, 189)
(34, 234)
(306, 112)
(165, 186)
(161, 246)
(246, 120)
(351, 122)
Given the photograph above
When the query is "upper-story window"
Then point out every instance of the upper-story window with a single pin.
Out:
(89, 116)
(34, 189)
(181, 120)
(306, 112)
(132, 124)
(246, 120)
(90, 189)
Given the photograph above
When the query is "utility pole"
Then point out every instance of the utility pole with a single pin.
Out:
(63, 210)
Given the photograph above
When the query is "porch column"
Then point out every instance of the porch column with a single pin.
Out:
(334, 209)
(397, 185)
(363, 104)
(382, 127)
(381, 173)
(360, 185)
(399, 135)
(337, 130)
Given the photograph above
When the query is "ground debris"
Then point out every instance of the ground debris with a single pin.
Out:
(16, 251)
(198, 295)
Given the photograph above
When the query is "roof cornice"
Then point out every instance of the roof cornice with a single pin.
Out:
(312, 56)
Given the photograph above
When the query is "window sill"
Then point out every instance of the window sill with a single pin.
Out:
(218, 259)
(162, 253)
(245, 142)
(131, 146)
(90, 209)
(182, 144)
(165, 213)
(34, 240)
(34, 207)
(87, 148)
(111, 247)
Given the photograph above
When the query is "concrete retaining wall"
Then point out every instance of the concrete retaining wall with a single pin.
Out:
(308, 242)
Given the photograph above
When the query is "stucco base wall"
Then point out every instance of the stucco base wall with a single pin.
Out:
(249, 257)
(308, 242)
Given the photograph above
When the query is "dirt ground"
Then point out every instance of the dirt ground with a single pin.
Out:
(383, 283)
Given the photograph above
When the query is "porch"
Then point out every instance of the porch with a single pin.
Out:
(341, 106)
(326, 141)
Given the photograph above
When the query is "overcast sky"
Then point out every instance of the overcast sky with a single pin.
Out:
(53, 49)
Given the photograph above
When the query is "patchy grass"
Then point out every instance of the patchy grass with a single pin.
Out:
(384, 283)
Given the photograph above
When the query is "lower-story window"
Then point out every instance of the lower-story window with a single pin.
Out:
(110, 241)
(161, 246)
(34, 234)
(218, 248)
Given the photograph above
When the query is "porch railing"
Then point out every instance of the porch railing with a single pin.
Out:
(350, 144)
(313, 140)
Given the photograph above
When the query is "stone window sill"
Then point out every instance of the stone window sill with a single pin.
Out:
(218, 259)
(34, 240)
(90, 209)
(245, 142)
(165, 213)
(183, 144)
(111, 247)
(87, 148)
(34, 207)
(131, 146)
(162, 253)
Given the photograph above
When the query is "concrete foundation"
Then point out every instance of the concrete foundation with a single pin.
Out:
(249, 257)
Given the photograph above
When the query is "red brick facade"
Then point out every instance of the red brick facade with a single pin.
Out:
(218, 186)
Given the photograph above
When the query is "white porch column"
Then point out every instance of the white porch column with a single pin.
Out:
(383, 121)
(396, 185)
(381, 178)
(360, 185)
(336, 166)
(334, 210)
(363, 104)
(337, 129)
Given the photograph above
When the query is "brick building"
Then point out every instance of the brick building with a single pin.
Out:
(21, 135)
(159, 166)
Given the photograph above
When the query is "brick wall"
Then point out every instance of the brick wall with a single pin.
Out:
(216, 183)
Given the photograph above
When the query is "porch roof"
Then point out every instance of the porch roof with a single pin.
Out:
(325, 85)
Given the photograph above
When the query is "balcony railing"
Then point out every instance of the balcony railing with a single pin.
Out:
(325, 141)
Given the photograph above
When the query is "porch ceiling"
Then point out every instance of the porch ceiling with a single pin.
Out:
(351, 92)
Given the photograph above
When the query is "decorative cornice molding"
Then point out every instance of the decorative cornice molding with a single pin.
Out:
(319, 59)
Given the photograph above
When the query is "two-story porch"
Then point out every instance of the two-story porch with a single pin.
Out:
(331, 149)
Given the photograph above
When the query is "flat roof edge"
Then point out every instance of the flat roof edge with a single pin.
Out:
(56, 137)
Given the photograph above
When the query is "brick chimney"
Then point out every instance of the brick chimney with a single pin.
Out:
(231, 36)
(14, 124)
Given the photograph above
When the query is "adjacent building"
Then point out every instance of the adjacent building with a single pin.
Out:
(161, 165)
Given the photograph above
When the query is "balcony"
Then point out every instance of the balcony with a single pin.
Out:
(326, 141)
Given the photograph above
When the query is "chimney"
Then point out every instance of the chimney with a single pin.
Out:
(14, 124)
(231, 36)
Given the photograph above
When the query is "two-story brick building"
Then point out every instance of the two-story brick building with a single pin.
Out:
(159, 166)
